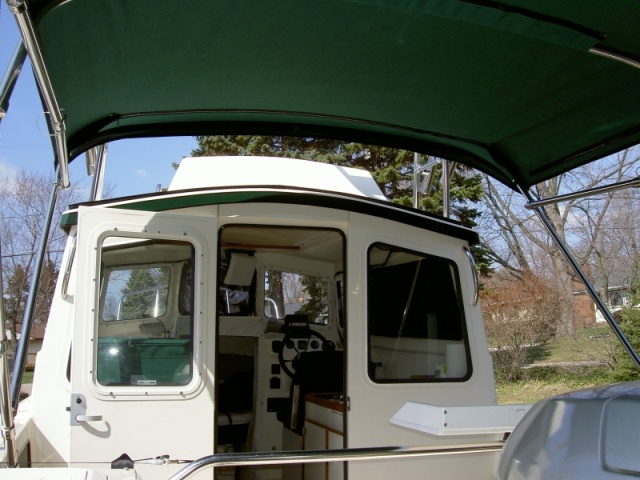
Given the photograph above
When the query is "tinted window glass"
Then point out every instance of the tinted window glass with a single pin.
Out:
(415, 317)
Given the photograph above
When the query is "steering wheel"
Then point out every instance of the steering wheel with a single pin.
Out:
(289, 342)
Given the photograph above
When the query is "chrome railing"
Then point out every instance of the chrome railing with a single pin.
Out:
(322, 456)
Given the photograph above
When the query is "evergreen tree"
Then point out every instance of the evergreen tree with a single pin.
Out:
(625, 369)
(316, 307)
(145, 294)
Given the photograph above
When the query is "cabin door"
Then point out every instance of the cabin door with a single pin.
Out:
(141, 378)
(407, 340)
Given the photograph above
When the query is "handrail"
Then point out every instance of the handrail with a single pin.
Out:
(323, 456)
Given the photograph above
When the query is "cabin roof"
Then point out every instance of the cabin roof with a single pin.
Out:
(175, 200)
(521, 90)
(224, 171)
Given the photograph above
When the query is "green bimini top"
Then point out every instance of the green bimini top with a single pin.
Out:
(523, 90)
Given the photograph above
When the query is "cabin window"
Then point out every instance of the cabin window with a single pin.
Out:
(136, 292)
(274, 271)
(288, 293)
(415, 317)
(145, 322)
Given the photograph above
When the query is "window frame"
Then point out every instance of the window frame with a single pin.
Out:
(457, 290)
(176, 267)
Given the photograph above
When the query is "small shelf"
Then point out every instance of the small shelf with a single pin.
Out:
(459, 420)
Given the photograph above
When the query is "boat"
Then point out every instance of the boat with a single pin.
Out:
(275, 318)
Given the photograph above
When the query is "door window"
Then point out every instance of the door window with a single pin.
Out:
(145, 321)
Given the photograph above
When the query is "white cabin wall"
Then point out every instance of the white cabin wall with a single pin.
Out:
(51, 390)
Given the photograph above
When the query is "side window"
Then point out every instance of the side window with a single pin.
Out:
(145, 322)
(416, 328)
(288, 293)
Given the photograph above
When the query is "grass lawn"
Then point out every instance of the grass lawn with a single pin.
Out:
(563, 365)
(588, 344)
(543, 383)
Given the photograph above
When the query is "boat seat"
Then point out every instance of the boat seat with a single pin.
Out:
(235, 408)
(316, 372)
(230, 419)
(233, 428)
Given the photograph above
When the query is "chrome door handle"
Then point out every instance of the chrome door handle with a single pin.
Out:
(78, 411)
(88, 418)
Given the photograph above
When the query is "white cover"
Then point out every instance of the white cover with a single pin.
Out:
(202, 172)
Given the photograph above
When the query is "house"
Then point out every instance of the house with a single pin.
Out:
(35, 341)
(615, 290)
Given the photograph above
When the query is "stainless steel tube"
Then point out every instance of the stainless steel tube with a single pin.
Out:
(322, 456)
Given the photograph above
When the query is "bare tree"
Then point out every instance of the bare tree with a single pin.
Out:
(24, 201)
(520, 244)
(517, 316)
(293, 289)
(614, 260)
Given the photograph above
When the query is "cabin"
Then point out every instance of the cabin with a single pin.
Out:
(298, 312)
(256, 323)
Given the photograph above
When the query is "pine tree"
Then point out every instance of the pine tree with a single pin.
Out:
(625, 369)
(145, 293)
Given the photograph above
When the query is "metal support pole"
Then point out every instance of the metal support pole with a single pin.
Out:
(585, 193)
(56, 119)
(25, 332)
(11, 77)
(416, 178)
(8, 427)
(446, 209)
(98, 173)
(542, 215)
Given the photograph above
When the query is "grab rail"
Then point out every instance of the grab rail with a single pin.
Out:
(323, 456)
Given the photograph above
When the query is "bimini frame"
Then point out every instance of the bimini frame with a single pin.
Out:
(57, 127)
(55, 118)
(537, 205)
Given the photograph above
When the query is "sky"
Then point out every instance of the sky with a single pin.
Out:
(133, 166)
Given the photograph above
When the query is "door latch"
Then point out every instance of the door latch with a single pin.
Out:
(78, 410)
